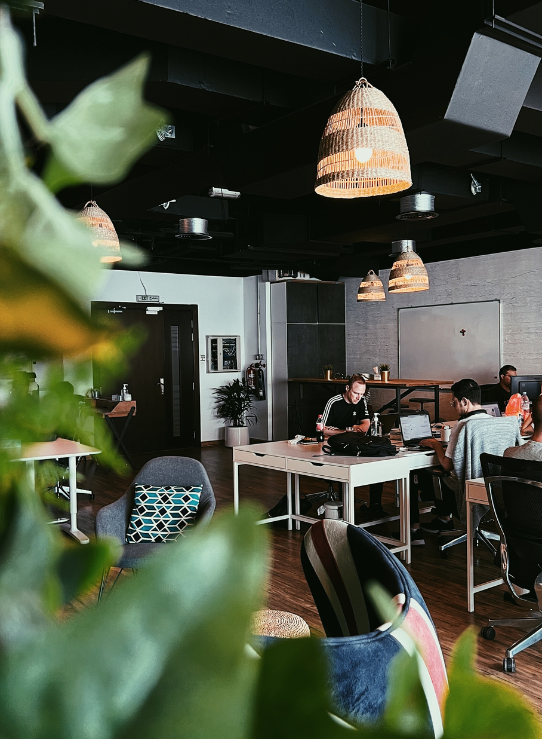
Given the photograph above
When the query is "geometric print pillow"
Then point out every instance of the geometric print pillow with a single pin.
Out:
(162, 513)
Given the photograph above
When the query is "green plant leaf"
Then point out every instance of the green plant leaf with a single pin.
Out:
(163, 650)
(478, 707)
(292, 699)
(80, 567)
(406, 708)
(104, 130)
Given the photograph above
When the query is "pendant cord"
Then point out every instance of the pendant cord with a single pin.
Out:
(361, 37)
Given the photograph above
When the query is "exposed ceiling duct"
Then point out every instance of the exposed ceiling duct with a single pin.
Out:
(417, 207)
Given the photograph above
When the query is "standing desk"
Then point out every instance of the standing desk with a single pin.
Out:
(476, 495)
(352, 472)
(402, 388)
(59, 449)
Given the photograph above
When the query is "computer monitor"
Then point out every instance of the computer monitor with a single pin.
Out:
(529, 384)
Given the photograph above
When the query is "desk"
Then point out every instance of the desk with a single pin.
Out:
(352, 472)
(117, 409)
(59, 449)
(406, 386)
(476, 495)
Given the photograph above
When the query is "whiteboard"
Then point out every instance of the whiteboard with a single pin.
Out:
(450, 342)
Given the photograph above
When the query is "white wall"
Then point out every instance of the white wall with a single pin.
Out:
(220, 311)
(514, 278)
(256, 293)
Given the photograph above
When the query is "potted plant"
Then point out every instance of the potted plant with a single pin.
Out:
(328, 371)
(385, 372)
(233, 401)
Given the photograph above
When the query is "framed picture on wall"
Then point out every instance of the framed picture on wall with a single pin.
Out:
(223, 353)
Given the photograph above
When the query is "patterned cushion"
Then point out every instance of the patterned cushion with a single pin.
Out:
(162, 513)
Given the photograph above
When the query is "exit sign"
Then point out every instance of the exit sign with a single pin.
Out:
(147, 298)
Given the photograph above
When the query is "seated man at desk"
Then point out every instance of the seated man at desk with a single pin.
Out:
(351, 411)
(500, 393)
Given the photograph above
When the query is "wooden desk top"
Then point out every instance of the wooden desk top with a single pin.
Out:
(378, 383)
(114, 408)
(55, 450)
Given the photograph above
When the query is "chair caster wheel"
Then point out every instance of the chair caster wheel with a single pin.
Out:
(509, 664)
(444, 555)
(488, 632)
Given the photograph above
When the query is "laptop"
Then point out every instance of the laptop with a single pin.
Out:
(388, 422)
(492, 409)
(414, 428)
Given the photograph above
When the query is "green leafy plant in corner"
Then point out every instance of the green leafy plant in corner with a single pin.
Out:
(384, 367)
(233, 403)
(166, 652)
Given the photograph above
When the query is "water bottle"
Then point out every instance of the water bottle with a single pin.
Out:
(525, 405)
(320, 429)
(376, 426)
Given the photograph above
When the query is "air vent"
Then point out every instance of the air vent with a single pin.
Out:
(193, 228)
(417, 207)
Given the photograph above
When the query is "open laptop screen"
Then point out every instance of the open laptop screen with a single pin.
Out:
(492, 409)
(415, 427)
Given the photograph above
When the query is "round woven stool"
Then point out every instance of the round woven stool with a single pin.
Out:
(279, 623)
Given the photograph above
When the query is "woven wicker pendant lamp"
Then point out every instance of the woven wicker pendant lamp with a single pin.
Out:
(408, 274)
(371, 288)
(363, 151)
(103, 231)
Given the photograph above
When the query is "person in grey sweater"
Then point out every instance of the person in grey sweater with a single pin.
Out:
(533, 448)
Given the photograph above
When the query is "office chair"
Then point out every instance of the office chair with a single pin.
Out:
(485, 435)
(113, 519)
(514, 490)
(339, 561)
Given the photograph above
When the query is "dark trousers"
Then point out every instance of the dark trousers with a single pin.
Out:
(424, 489)
(375, 493)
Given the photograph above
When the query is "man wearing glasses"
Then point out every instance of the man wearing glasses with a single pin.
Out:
(500, 393)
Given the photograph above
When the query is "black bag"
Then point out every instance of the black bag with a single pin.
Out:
(353, 444)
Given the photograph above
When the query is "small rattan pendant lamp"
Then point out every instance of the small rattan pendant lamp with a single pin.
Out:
(103, 231)
(408, 274)
(363, 151)
(371, 288)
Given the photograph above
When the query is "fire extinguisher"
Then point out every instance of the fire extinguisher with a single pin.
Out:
(251, 378)
(255, 380)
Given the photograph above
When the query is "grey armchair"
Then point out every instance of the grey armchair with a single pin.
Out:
(113, 519)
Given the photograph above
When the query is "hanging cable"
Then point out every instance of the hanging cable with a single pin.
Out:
(361, 37)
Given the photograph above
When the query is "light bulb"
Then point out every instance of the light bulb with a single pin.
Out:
(363, 154)
(407, 276)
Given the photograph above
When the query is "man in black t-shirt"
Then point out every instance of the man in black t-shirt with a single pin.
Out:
(500, 393)
(350, 410)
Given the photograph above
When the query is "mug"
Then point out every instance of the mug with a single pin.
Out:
(445, 433)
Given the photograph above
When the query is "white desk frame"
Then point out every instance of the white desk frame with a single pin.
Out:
(59, 449)
(476, 495)
(352, 472)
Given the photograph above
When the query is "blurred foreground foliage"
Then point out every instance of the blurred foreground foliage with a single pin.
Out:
(166, 653)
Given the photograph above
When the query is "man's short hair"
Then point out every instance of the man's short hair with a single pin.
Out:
(356, 378)
(468, 389)
(506, 368)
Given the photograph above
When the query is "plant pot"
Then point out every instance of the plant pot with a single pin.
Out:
(327, 374)
(385, 375)
(237, 436)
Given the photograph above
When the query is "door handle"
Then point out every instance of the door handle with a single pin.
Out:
(161, 383)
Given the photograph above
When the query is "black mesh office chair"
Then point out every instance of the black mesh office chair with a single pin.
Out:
(514, 489)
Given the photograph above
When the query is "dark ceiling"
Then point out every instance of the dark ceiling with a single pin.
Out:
(250, 84)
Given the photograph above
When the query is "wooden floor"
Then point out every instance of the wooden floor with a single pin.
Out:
(442, 582)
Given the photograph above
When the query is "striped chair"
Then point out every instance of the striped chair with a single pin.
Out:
(339, 560)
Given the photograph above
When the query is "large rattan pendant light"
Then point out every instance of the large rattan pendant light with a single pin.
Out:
(363, 151)
(408, 274)
(103, 231)
(371, 288)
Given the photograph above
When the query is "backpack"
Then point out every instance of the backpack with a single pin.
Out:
(353, 444)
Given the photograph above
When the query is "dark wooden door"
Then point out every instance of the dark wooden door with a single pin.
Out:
(161, 377)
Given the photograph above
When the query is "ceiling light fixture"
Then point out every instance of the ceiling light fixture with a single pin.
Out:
(103, 231)
(417, 207)
(363, 151)
(408, 274)
(371, 288)
(222, 192)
